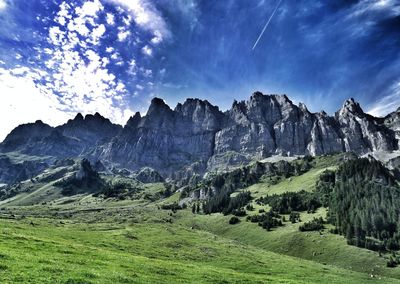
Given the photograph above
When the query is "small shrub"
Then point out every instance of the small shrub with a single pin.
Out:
(249, 207)
(314, 225)
(234, 220)
(239, 212)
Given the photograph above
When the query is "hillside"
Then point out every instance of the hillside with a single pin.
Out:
(137, 232)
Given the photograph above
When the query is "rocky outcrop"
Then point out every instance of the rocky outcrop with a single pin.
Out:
(24, 135)
(361, 132)
(165, 139)
(392, 121)
(12, 172)
(72, 139)
(148, 175)
(196, 137)
(90, 130)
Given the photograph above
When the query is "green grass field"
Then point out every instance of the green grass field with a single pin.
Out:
(87, 239)
(53, 251)
(323, 248)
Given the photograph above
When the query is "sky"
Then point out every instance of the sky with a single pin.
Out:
(58, 58)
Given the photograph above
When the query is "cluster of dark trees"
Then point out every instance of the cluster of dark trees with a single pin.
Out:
(226, 183)
(222, 202)
(363, 198)
(393, 261)
(294, 217)
(267, 220)
(292, 201)
(10, 191)
(316, 224)
(87, 179)
(118, 189)
(174, 207)
(364, 204)
(234, 220)
(196, 208)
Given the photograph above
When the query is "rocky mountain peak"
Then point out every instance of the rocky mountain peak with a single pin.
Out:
(25, 133)
(158, 106)
(303, 107)
(79, 117)
(351, 107)
(159, 115)
(238, 112)
(96, 118)
(191, 105)
(196, 132)
(134, 120)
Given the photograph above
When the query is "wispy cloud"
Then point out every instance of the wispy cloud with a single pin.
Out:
(77, 73)
(3, 5)
(388, 103)
(75, 66)
(146, 15)
(23, 101)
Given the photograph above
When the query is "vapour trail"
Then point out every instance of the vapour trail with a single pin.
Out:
(266, 25)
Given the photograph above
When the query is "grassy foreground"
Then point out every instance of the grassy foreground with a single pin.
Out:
(36, 250)
(46, 237)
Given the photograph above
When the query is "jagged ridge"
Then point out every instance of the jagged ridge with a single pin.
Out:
(196, 136)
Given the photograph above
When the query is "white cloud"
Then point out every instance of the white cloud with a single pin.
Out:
(23, 101)
(63, 14)
(75, 75)
(146, 16)
(89, 8)
(3, 5)
(387, 103)
(147, 50)
(97, 33)
(123, 35)
(157, 38)
(110, 19)
(78, 75)
(369, 7)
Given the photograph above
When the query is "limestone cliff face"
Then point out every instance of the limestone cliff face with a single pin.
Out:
(165, 139)
(392, 121)
(270, 125)
(361, 132)
(197, 137)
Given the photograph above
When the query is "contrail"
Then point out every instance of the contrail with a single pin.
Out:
(266, 25)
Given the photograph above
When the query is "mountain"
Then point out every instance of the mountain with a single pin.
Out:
(392, 121)
(68, 140)
(197, 137)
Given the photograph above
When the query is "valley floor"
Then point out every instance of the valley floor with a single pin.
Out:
(121, 244)
(46, 237)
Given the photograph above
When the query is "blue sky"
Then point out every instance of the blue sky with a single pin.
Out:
(58, 58)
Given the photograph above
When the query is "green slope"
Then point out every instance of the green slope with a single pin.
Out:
(54, 252)
(86, 239)
(288, 240)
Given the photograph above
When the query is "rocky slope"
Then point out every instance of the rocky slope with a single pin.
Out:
(72, 139)
(197, 137)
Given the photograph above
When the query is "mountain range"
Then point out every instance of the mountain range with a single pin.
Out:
(196, 137)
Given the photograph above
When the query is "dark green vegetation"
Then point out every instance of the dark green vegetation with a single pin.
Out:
(315, 224)
(365, 205)
(285, 222)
